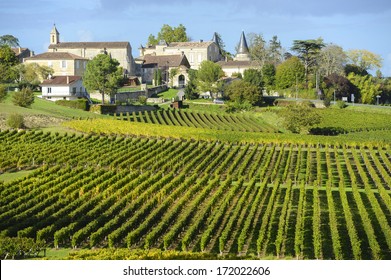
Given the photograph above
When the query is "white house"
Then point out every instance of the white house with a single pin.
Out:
(63, 88)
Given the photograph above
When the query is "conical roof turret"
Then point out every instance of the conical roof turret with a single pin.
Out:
(243, 47)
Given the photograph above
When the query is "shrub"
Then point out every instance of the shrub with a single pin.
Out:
(298, 118)
(341, 104)
(81, 104)
(15, 121)
(23, 98)
(3, 93)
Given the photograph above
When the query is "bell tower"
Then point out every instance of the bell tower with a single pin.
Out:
(54, 36)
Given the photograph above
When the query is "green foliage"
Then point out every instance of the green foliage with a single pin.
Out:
(332, 59)
(15, 121)
(289, 73)
(191, 86)
(368, 89)
(254, 77)
(308, 51)
(173, 73)
(142, 100)
(169, 34)
(8, 59)
(208, 76)
(341, 104)
(32, 73)
(298, 118)
(3, 92)
(19, 248)
(236, 106)
(9, 40)
(364, 59)
(103, 74)
(23, 97)
(240, 91)
(269, 76)
(81, 104)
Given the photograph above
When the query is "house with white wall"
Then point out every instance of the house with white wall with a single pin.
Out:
(63, 88)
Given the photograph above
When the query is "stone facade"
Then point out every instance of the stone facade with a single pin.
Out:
(121, 51)
(63, 64)
(196, 52)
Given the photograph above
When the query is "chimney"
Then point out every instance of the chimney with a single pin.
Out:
(201, 41)
(67, 79)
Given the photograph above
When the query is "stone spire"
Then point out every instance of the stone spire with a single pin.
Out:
(54, 36)
(243, 53)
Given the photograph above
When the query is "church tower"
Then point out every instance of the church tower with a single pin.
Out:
(54, 36)
(243, 52)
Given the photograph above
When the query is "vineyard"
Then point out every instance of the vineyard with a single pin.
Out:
(284, 200)
(195, 119)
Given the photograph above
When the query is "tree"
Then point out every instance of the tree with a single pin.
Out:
(103, 74)
(340, 85)
(15, 121)
(274, 49)
(368, 88)
(3, 93)
(32, 73)
(308, 52)
(9, 40)
(290, 73)
(298, 118)
(208, 76)
(241, 91)
(364, 60)
(173, 73)
(332, 60)
(8, 59)
(221, 45)
(23, 97)
(254, 77)
(191, 86)
(268, 75)
(169, 35)
(257, 48)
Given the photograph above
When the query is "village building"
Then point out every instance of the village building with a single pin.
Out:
(63, 88)
(22, 53)
(62, 63)
(196, 52)
(241, 62)
(173, 68)
(121, 51)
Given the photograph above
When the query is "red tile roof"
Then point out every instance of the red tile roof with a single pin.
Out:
(61, 80)
(55, 55)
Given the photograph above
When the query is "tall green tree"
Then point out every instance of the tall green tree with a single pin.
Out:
(365, 60)
(208, 76)
(290, 73)
(241, 91)
(268, 76)
(332, 60)
(103, 74)
(308, 51)
(23, 97)
(9, 40)
(169, 34)
(367, 86)
(258, 49)
(191, 86)
(254, 77)
(8, 60)
(275, 52)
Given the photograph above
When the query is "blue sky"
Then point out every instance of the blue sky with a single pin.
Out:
(351, 24)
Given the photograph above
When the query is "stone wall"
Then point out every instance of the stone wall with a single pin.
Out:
(125, 96)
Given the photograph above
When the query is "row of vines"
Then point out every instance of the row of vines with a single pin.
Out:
(283, 200)
(187, 118)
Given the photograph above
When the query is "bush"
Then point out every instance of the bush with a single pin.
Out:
(3, 93)
(81, 104)
(15, 121)
(341, 104)
(23, 98)
(298, 118)
(327, 131)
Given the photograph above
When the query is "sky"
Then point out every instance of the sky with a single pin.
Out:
(351, 24)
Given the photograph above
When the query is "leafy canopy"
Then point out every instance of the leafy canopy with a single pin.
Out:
(241, 91)
(208, 76)
(169, 34)
(103, 74)
(298, 118)
(290, 72)
(23, 98)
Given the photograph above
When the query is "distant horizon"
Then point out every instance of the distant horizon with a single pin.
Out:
(349, 24)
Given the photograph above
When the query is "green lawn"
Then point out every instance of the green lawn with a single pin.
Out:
(8, 177)
(168, 94)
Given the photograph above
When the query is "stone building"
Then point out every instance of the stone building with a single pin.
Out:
(241, 62)
(22, 53)
(121, 51)
(168, 64)
(196, 52)
(62, 63)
